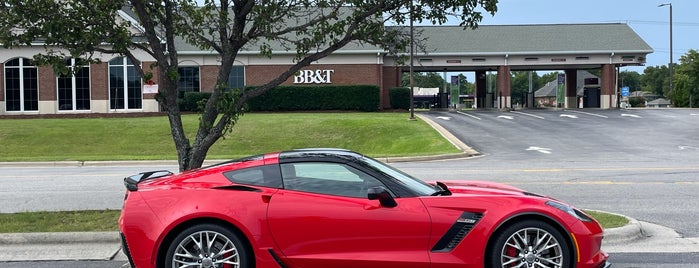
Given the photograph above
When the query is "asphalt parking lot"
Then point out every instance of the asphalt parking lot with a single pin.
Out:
(636, 162)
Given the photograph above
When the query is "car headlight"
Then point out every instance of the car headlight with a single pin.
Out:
(570, 210)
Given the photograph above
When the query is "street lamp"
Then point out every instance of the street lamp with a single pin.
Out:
(670, 65)
(412, 48)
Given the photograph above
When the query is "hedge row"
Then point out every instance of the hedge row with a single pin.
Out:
(302, 98)
(400, 97)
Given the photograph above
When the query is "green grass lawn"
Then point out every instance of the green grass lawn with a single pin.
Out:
(60, 221)
(148, 138)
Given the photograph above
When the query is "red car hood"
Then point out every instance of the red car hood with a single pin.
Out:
(480, 187)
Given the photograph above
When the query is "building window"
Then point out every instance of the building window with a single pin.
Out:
(74, 89)
(189, 79)
(236, 79)
(124, 85)
(21, 86)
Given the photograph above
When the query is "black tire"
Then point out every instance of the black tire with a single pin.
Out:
(220, 247)
(517, 244)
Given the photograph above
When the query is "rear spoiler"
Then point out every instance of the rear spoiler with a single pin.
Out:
(131, 182)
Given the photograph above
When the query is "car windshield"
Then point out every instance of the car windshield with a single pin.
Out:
(420, 187)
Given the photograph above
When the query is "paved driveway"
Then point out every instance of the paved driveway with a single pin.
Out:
(641, 163)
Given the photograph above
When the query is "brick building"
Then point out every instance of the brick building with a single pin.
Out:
(114, 87)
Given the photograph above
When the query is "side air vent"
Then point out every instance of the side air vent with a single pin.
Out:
(457, 232)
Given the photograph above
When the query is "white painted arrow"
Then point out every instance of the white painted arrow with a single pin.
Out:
(687, 147)
(569, 116)
(539, 149)
(506, 117)
(444, 118)
(631, 115)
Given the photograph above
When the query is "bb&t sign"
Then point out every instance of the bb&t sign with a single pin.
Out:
(314, 77)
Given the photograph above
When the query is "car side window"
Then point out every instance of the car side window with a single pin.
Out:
(267, 176)
(327, 178)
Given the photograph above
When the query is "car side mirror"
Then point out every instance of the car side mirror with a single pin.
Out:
(384, 197)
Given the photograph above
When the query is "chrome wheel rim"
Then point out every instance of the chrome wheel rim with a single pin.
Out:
(532, 247)
(206, 249)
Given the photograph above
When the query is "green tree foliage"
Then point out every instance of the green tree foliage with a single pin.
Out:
(685, 92)
(312, 28)
(630, 79)
(519, 85)
(549, 77)
(429, 80)
(655, 80)
(466, 87)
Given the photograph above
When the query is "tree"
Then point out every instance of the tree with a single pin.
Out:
(313, 28)
(520, 85)
(630, 79)
(429, 80)
(685, 92)
(548, 77)
(654, 80)
(466, 87)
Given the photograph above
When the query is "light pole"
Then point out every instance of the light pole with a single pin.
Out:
(412, 47)
(669, 65)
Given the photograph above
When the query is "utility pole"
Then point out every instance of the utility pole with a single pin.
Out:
(412, 47)
(670, 64)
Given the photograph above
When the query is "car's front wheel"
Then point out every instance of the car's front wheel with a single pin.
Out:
(530, 243)
(206, 246)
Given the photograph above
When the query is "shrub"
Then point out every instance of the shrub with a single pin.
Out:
(400, 97)
(637, 101)
(193, 101)
(314, 98)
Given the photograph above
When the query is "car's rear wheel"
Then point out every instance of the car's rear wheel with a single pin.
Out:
(206, 246)
(530, 243)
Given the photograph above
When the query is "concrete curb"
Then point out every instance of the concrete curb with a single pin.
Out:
(465, 149)
(624, 234)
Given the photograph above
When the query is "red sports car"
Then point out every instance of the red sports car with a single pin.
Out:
(336, 208)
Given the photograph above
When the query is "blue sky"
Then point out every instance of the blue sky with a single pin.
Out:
(649, 21)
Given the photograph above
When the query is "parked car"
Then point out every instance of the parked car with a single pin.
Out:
(338, 208)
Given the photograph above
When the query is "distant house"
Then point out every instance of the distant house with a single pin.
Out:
(658, 103)
(546, 95)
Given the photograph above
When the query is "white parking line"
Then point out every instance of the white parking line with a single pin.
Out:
(631, 115)
(506, 117)
(580, 112)
(469, 115)
(527, 114)
(539, 149)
